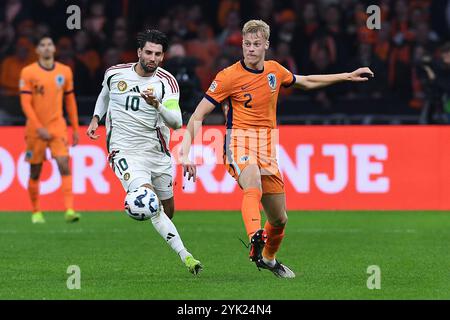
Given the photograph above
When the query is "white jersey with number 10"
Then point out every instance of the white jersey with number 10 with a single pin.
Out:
(131, 123)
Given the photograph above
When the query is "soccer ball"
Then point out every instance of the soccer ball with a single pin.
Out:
(141, 204)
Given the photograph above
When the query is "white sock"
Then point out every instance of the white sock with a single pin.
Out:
(184, 254)
(168, 231)
(270, 263)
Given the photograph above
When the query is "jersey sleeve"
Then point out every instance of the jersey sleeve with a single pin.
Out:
(102, 102)
(68, 84)
(220, 88)
(69, 98)
(25, 86)
(171, 95)
(287, 77)
(107, 79)
(26, 99)
(170, 110)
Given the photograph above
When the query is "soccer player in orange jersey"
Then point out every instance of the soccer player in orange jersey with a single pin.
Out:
(43, 87)
(249, 90)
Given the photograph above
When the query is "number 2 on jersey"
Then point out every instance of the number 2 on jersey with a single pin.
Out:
(132, 103)
(247, 103)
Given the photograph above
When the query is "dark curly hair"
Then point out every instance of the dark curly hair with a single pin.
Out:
(37, 40)
(152, 35)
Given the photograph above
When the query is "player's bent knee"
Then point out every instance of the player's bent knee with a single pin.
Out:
(64, 172)
(167, 202)
(35, 172)
(279, 221)
(284, 220)
(35, 175)
(169, 212)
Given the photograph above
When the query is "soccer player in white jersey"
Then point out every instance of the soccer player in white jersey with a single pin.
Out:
(140, 101)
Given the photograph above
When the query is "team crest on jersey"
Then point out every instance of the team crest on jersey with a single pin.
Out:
(126, 176)
(122, 85)
(60, 80)
(213, 86)
(244, 158)
(272, 81)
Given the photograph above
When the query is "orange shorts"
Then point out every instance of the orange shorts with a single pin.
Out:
(36, 147)
(238, 156)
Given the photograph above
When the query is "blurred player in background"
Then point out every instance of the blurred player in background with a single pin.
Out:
(249, 89)
(43, 87)
(141, 102)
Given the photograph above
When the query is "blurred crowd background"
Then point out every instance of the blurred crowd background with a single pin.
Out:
(410, 55)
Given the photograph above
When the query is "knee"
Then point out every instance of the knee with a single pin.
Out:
(64, 169)
(63, 166)
(35, 173)
(169, 208)
(280, 221)
(169, 212)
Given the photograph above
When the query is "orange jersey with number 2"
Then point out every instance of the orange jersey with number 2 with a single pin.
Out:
(251, 95)
(249, 98)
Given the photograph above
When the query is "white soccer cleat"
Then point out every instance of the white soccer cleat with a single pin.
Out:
(279, 269)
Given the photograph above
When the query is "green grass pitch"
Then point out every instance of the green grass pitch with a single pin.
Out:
(330, 252)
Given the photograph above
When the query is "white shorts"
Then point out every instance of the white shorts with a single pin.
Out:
(146, 167)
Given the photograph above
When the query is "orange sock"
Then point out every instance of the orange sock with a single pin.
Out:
(250, 210)
(33, 191)
(67, 191)
(274, 237)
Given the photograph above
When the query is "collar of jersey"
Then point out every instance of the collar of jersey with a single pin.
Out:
(251, 70)
(47, 69)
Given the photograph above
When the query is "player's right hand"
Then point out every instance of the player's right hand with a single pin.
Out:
(361, 74)
(44, 134)
(92, 128)
(188, 168)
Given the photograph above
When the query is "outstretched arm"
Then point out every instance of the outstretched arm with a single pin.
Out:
(319, 81)
(101, 106)
(195, 123)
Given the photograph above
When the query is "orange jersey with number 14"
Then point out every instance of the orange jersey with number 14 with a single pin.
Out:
(47, 88)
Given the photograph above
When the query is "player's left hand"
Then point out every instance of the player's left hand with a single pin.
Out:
(361, 74)
(150, 98)
(75, 138)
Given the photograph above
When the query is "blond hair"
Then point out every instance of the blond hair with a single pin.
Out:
(255, 26)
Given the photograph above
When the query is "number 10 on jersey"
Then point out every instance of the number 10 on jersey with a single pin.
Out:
(132, 102)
